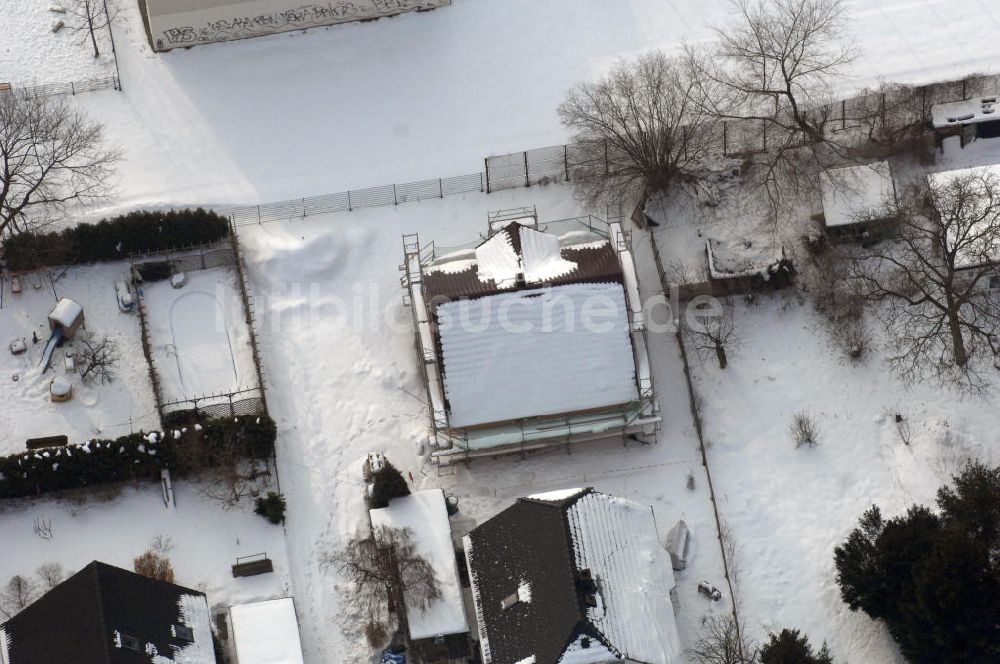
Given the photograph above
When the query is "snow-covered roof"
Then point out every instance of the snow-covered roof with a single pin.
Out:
(616, 540)
(266, 632)
(974, 254)
(4, 655)
(575, 548)
(424, 513)
(518, 251)
(66, 312)
(856, 194)
(967, 111)
(537, 352)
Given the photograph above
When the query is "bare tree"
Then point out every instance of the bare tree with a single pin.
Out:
(385, 568)
(51, 574)
(90, 16)
(934, 281)
(777, 62)
(713, 332)
(638, 128)
(97, 357)
(17, 595)
(723, 643)
(50, 155)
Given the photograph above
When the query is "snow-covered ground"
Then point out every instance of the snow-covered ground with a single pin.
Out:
(789, 507)
(96, 410)
(201, 539)
(31, 54)
(337, 346)
(199, 339)
(425, 94)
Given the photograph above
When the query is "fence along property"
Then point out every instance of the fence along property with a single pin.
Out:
(893, 106)
(241, 402)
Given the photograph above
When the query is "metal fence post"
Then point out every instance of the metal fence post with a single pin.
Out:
(566, 161)
(72, 88)
(725, 138)
(395, 199)
(527, 180)
(480, 181)
(487, 161)
(606, 166)
(440, 188)
(349, 208)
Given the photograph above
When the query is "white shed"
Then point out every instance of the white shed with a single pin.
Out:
(266, 632)
(67, 316)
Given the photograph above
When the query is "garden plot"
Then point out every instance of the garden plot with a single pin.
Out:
(200, 537)
(97, 410)
(788, 507)
(199, 338)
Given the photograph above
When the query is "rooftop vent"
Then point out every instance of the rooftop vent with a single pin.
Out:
(509, 601)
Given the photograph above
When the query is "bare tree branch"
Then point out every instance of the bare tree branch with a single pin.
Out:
(50, 155)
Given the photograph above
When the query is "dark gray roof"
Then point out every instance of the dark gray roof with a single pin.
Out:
(529, 542)
(75, 622)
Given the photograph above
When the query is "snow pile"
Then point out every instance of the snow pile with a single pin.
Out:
(855, 194)
(616, 540)
(424, 513)
(266, 632)
(538, 352)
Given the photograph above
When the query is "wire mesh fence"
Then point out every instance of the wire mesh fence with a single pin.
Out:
(892, 105)
(226, 405)
(354, 199)
(70, 88)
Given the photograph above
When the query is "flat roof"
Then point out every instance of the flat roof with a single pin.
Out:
(536, 352)
(982, 253)
(425, 514)
(856, 194)
(266, 632)
(968, 111)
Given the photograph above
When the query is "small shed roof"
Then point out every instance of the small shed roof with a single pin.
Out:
(424, 513)
(967, 111)
(856, 194)
(266, 632)
(66, 312)
(985, 251)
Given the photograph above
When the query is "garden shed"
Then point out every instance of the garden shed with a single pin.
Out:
(859, 202)
(968, 118)
(266, 632)
(66, 317)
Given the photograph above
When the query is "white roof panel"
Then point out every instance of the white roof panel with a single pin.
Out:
(266, 632)
(967, 111)
(536, 352)
(425, 514)
(854, 194)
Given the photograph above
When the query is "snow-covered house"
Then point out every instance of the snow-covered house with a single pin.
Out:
(572, 576)
(533, 337)
(859, 202)
(183, 23)
(438, 631)
(107, 615)
(980, 246)
(265, 632)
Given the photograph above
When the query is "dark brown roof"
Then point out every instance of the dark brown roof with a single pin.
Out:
(74, 623)
(593, 265)
(529, 542)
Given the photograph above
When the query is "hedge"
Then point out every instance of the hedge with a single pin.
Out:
(115, 238)
(135, 456)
